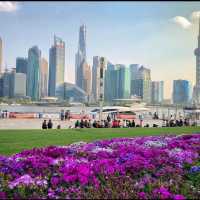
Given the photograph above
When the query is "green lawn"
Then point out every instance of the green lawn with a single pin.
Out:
(13, 141)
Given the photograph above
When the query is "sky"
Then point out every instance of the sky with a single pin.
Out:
(161, 36)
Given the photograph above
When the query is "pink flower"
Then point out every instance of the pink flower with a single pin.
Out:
(142, 195)
(179, 197)
(69, 178)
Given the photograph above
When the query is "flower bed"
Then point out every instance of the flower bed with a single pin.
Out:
(159, 167)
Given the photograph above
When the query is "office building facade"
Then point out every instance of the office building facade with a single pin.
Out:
(95, 78)
(181, 92)
(21, 65)
(117, 82)
(80, 57)
(86, 78)
(44, 78)
(17, 85)
(56, 68)
(141, 86)
(33, 73)
(1, 55)
(157, 92)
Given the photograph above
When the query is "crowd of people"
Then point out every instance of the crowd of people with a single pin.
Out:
(116, 123)
(105, 124)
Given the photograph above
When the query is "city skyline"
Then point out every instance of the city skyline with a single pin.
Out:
(162, 39)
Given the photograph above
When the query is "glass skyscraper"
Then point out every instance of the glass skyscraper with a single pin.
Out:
(44, 78)
(181, 92)
(95, 77)
(117, 82)
(196, 91)
(33, 73)
(157, 92)
(80, 57)
(142, 85)
(1, 56)
(21, 65)
(123, 81)
(56, 68)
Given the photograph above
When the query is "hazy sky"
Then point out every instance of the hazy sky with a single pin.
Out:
(160, 35)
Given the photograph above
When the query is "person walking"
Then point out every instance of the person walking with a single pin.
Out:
(44, 124)
(50, 124)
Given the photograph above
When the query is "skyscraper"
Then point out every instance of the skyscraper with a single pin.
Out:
(142, 85)
(95, 77)
(123, 83)
(7, 82)
(56, 68)
(181, 92)
(17, 84)
(21, 65)
(97, 63)
(1, 56)
(157, 92)
(86, 78)
(80, 57)
(110, 86)
(196, 91)
(33, 73)
(44, 78)
(117, 82)
(134, 70)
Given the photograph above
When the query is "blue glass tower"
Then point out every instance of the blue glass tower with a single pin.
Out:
(33, 73)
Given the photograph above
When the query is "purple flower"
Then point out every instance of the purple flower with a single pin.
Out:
(142, 195)
(195, 169)
(179, 197)
(55, 181)
(25, 180)
(3, 195)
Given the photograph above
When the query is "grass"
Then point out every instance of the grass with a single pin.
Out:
(14, 141)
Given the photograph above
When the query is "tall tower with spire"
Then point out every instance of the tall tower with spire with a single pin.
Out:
(196, 91)
(80, 56)
(197, 54)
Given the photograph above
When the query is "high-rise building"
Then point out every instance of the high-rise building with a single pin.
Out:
(87, 78)
(44, 77)
(1, 84)
(21, 65)
(134, 71)
(95, 77)
(157, 92)
(33, 73)
(181, 92)
(80, 57)
(142, 85)
(123, 83)
(17, 85)
(1, 56)
(117, 82)
(56, 68)
(196, 92)
(97, 63)
(7, 80)
(110, 86)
